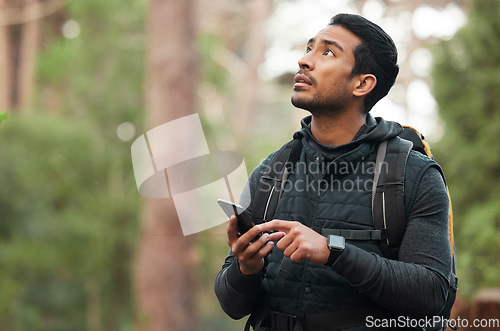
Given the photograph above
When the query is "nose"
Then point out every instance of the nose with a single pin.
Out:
(306, 61)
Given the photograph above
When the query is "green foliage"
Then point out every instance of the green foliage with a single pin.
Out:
(69, 215)
(3, 116)
(100, 72)
(211, 71)
(55, 62)
(69, 207)
(466, 82)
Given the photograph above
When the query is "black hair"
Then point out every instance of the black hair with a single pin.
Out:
(376, 55)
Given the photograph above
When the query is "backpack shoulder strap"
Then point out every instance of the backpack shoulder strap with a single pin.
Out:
(388, 190)
(388, 193)
(273, 180)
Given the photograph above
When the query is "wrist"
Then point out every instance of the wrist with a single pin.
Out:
(249, 271)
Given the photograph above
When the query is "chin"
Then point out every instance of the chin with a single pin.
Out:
(300, 102)
(295, 102)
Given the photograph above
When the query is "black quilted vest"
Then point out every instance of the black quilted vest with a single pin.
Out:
(335, 195)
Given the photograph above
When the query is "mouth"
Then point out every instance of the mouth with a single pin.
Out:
(301, 80)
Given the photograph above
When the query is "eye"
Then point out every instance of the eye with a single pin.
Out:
(308, 49)
(329, 53)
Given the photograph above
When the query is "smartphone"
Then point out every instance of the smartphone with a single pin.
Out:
(244, 220)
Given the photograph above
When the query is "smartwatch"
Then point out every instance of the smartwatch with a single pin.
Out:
(336, 244)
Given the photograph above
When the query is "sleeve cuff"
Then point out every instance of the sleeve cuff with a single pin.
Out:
(245, 285)
(355, 264)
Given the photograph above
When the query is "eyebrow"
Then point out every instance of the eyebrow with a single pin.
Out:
(328, 42)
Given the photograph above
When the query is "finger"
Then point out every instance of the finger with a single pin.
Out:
(278, 225)
(255, 262)
(247, 250)
(232, 230)
(266, 249)
(276, 236)
(255, 247)
(252, 233)
(284, 242)
(289, 249)
(297, 256)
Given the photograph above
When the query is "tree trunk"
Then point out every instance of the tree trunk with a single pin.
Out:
(165, 270)
(5, 68)
(19, 39)
(249, 91)
(30, 37)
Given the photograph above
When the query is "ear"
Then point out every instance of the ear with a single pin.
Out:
(364, 84)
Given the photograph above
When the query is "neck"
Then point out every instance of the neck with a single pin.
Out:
(337, 129)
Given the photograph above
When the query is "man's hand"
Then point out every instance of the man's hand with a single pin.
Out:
(300, 242)
(250, 255)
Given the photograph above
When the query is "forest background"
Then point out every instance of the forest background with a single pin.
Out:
(80, 249)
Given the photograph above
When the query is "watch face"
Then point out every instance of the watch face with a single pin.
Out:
(337, 242)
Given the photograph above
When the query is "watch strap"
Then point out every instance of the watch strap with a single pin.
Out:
(334, 255)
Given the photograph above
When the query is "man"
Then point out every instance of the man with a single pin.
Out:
(348, 66)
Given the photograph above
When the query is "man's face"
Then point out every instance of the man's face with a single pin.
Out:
(324, 80)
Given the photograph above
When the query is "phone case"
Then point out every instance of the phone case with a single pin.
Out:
(244, 220)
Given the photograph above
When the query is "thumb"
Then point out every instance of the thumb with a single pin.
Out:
(232, 230)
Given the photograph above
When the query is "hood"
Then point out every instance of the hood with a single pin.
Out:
(375, 130)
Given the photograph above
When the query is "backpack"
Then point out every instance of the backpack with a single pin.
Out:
(389, 225)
